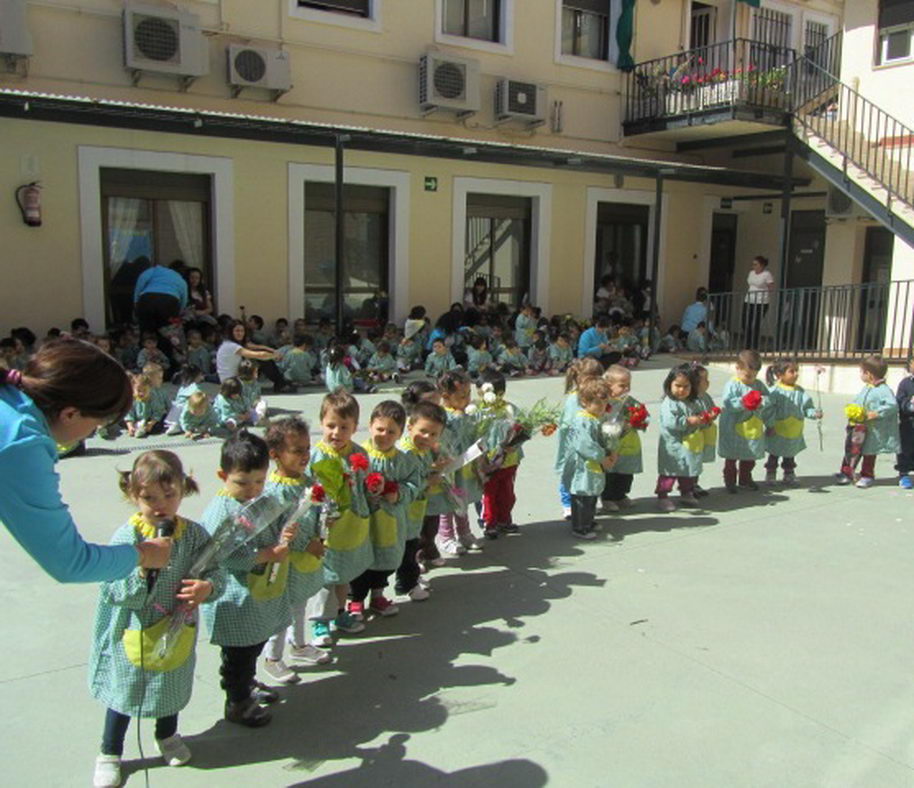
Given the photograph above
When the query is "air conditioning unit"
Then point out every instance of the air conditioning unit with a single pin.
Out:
(15, 40)
(164, 41)
(520, 101)
(255, 67)
(839, 206)
(448, 82)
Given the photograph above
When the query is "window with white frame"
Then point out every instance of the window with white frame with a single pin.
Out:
(479, 19)
(896, 30)
(586, 26)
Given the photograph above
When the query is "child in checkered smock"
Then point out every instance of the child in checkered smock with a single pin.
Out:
(125, 671)
(255, 604)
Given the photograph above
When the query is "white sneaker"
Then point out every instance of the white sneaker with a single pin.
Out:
(865, 482)
(425, 583)
(174, 429)
(418, 594)
(470, 543)
(666, 505)
(439, 561)
(688, 500)
(566, 512)
(280, 671)
(311, 655)
(107, 771)
(450, 548)
(173, 750)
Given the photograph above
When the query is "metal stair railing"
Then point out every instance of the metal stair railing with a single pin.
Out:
(861, 132)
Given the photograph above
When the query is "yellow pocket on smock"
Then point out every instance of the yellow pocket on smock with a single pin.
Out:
(383, 529)
(143, 654)
(752, 429)
(417, 509)
(348, 532)
(710, 435)
(262, 590)
(694, 442)
(304, 562)
(630, 444)
(791, 427)
(594, 467)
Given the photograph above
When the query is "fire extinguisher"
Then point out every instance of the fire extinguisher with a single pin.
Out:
(29, 200)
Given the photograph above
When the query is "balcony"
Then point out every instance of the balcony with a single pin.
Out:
(742, 83)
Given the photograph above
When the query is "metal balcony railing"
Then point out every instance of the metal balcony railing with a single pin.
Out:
(836, 322)
(741, 71)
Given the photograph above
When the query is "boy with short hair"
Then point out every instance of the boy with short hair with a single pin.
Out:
(298, 363)
(439, 360)
(252, 608)
(560, 354)
(335, 462)
(289, 442)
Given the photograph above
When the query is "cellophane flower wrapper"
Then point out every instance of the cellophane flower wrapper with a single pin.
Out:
(231, 534)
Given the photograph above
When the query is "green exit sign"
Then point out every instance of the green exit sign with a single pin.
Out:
(431, 183)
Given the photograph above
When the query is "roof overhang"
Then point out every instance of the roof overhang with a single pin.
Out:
(208, 123)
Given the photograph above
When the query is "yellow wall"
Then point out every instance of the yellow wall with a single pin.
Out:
(43, 265)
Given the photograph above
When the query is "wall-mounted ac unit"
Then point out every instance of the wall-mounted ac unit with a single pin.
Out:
(164, 41)
(520, 101)
(448, 82)
(15, 40)
(256, 67)
(839, 206)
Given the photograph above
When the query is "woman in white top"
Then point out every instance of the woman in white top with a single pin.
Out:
(235, 346)
(757, 301)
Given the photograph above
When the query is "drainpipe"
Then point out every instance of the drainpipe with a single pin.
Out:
(339, 257)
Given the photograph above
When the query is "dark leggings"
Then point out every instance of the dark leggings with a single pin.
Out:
(116, 725)
(408, 572)
(369, 580)
(239, 666)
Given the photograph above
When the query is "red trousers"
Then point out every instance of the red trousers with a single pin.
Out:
(498, 497)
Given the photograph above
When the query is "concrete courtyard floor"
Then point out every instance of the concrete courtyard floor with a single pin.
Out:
(763, 641)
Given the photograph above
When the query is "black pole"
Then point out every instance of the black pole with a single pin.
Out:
(339, 261)
(782, 318)
(655, 254)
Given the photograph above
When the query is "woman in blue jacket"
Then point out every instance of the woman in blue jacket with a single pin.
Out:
(67, 390)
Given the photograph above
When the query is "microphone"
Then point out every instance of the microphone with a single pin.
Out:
(164, 527)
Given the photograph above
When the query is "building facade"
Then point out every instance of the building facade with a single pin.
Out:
(523, 142)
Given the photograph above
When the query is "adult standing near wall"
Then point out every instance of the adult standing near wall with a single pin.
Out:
(594, 342)
(67, 390)
(757, 301)
(160, 295)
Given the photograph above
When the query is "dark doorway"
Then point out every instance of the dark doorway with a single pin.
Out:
(723, 253)
(801, 298)
(621, 249)
(498, 246)
(877, 274)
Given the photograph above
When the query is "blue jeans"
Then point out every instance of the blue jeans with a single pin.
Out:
(564, 496)
(116, 725)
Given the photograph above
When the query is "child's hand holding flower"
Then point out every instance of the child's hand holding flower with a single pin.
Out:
(752, 400)
(194, 592)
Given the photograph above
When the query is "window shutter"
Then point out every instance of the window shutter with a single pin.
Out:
(360, 7)
(593, 6)
(895, 12)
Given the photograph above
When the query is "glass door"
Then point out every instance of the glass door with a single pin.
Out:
(498, 246)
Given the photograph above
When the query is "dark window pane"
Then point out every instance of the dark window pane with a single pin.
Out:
(454, 17)
(353, 7)
(569, 31)
(898, 45)
(593, 36)
(895, 12)
(482, 21)
(593, 6)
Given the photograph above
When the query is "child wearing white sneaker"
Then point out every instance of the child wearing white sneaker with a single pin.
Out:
(679, 450)
(881, 422)
(124, 672)
(580, 370)
(392, 486)
(454, 534)
(704, 404)
(790, 405)
(289, 442)
(620, 477)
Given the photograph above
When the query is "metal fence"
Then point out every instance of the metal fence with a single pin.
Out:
(840, 322)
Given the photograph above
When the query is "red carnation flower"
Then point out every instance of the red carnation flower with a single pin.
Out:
(752, 400)
(318, 494)
(390, 487)
(715, 411)
(637, 417)
(374, 483)
(358, 462)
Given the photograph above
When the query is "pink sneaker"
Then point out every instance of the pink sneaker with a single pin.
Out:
(356, 610)
(383, 606)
